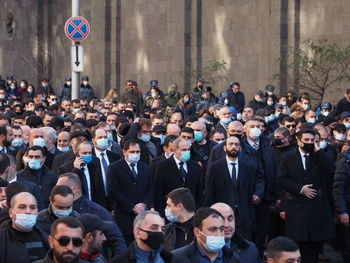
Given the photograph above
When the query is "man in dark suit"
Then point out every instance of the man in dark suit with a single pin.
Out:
(209, 243)
(168, 152)
(130, 187)
(177, 171)
(87, 167)
(232, 181)
(69, 156)
(100, 141)
(302, 175)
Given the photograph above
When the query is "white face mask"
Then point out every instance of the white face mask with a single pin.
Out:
(255, 133)
(85, 83)
(25, 221)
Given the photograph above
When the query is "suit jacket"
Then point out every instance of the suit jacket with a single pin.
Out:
(306, 219)
(112, 157)
(96, 180)
(60, 159)
(155, 163)
(125, 192)
(168, 178)
(219, 188)
(189, 254)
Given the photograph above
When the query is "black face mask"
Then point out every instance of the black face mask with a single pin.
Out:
(154, 239)
(308, 147)
(278, 142)
(239, 136)
(232, 154)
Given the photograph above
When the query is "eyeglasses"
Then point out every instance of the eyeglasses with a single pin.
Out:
(291, 126)
(64, 241)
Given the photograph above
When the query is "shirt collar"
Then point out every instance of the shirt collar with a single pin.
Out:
(251, 142)
(302, 154)
(98, 153)
(229, 161)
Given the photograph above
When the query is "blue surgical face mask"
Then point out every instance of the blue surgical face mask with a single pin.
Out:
(255, 133)
(110, 136)
(185, 156)
(75, 110)
(239, 116)
(25, 221)
(63, 149)
(34, 164)
(102, 143)
(161, 137)
(227, 120)
(17, 142)
(186, 100)
(198, 136)
(214, 243)
(171, 218)
(323, 144)
(133, 157)
(113, 127)
(62, 213)
(347, 125)
(39, 142)
(86, 158)
(145, 138)
(311, 120)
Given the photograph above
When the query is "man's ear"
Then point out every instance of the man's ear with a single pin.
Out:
(50, 239)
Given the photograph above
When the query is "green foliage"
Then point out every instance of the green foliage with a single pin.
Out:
(212, 72)
(318, 65)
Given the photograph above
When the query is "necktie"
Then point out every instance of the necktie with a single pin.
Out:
(85, 184)
(104, 163)
(234, 175)
(255, 146)
(133, 171)
(183, 172)
(307, 160)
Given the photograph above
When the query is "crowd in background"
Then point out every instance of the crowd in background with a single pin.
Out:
(165, 176)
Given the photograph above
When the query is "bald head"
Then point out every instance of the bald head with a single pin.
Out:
(229, 218)
(173, 129)
(16, 199)
(235, 127)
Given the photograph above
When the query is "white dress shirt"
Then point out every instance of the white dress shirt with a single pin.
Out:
(229, 165)
(104, 175)
(87, 177)
(303, 158)
(135, 167)
(177, 161)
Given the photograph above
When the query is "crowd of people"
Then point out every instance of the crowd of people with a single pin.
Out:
(167, 176)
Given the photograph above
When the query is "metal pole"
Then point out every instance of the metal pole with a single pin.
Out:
(75, 75)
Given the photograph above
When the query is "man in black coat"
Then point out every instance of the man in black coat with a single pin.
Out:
(87, 167)
(37, 173)
(69, 156)
(148, 232)
(235, 96)
(178, 171)
(21, 239)
(344, 103)
(302, 175)
(130, 187)
(232, 181)
(100, 141)
(208, 225)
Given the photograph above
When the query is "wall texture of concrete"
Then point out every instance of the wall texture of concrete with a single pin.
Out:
(158, 39)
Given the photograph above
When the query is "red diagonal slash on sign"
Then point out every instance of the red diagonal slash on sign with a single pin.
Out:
(77, 28)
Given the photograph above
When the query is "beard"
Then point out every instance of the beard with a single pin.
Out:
(232, 154)
(62, 259)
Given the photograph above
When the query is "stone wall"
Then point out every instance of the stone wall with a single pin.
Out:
(158, 39)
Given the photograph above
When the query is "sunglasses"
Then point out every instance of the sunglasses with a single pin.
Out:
(291, 126)
(64, 241)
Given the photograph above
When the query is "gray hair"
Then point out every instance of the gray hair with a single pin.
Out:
(177, 142)
(50, 133)
(77, 146)
(282, 130)
(141, 217)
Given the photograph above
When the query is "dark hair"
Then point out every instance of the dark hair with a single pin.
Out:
(182, 195)
(57, 122)
(203, 213)
(91, 123)
(35, 148)
(303, 131)
(69, 221)
(216, 131)
(34, 121)
(128, 143)
(3, 130)
(50, 113)
(279, 245)
(14, 188)
(169, 139)
(120, 120)
(287, 119)
(92, 111)
(62, 190)
(235, 84)
(188, 130)
(75, 101)
(4, 162)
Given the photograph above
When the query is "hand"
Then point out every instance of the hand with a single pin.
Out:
(344, 219)
(308, 191)
(283, 215)
(138, 208)
(78, 162)
(137, 120)
(3, 204)
(256, 199)
(317, 148)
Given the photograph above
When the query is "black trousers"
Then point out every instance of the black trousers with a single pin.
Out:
(309, 250)
(262, 213)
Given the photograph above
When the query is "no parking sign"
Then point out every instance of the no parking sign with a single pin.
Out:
(77, 28)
